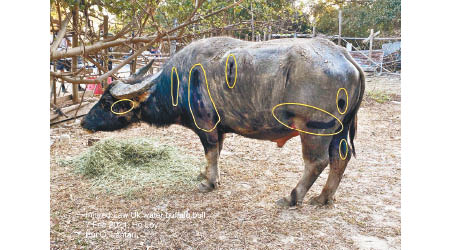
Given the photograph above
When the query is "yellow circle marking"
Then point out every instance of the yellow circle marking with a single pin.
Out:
(171, 86)
(122, 113)
(346, 149)
(189, 98)
(235, 71)
(346, 102)
(309, 106)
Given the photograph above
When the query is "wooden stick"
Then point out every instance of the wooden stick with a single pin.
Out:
(75, 58)
(100, 66)
(68, 110)
(79, 106)
(105, 36)
(57, 111)
(371, 43)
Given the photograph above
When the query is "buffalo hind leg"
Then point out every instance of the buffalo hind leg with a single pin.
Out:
(212, 144)
(315, 156)
(338, 163)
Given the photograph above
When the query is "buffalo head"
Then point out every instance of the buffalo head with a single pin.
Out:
(109, 113)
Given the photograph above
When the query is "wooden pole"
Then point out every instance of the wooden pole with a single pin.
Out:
(253, 25)
(133, 64)
(340, 27)
(194, 26)
(74, 45)
(54, 89)
(270, 33)
(173, 43)
(370, 43)
(105, 36)
(233, 34)
(314, 27)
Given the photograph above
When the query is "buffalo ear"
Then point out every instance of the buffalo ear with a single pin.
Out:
(142, 97)
(139, 99)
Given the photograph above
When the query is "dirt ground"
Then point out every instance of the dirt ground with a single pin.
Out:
(242, 213)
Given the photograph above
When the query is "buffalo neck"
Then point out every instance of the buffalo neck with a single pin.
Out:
(157, 109)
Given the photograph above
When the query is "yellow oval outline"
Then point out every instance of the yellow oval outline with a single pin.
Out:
(346, 103)
(346, 151)
(235, 71)
(309, 106)
(189, 98)
(122, 113)
(171, 85)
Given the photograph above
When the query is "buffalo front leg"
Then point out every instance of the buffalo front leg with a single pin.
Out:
(315, 156)
(211, 145)
(202, 175)
(338, 162)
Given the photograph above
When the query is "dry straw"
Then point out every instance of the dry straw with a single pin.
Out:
(126, 166)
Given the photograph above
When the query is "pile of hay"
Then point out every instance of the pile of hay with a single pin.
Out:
(125, 166)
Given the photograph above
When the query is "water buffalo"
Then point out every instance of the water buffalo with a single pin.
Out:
(272, 90)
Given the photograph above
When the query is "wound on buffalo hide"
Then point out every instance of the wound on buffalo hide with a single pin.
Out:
(289, 115)
(195, 78)
(174, 89)
(201, 104)
(343, 149)
(321, 125)
(231, 71)
(122, 106)
(341, 103)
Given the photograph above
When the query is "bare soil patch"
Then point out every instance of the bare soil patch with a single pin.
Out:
(242, 213)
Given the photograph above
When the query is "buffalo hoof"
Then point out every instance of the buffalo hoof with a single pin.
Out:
(206, 186)
(285, 202)
(201, 176)
(320, 201)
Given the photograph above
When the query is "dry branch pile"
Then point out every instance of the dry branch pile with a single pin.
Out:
(89, 45)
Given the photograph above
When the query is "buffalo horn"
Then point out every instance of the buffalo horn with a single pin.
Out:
(135, 84)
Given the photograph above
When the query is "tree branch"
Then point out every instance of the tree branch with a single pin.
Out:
(148, 39)
(103, 45)
(61, 34)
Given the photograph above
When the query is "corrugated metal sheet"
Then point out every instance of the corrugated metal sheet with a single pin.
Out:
(362, 58)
